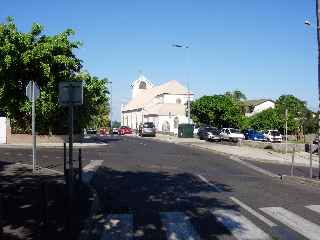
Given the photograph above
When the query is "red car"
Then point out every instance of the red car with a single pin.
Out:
(124, 130)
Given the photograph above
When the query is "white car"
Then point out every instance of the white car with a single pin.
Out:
(273, 136)
(231, 134)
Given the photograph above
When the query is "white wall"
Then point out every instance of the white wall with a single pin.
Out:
(3, 130)
(162, 119)
(173, 98)
(261, 107)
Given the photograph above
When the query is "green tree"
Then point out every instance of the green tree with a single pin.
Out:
(38, 57)
(267, 119)
(217, 110)
(236, 95)
(47, 60)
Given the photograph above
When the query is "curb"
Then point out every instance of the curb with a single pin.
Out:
(28, 146)
(300, 180)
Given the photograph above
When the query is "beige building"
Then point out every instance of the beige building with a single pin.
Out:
(165, 105)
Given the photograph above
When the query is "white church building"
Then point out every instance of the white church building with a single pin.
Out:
(165, 105)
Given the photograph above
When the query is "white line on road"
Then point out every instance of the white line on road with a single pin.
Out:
(178, 227)
(90, 170)
(240, 226)
(118, 227)
(19, 154)
(315, 208)
(6, 153)
(253, 212)
(299, 224)
(202, 178)
(258, 169)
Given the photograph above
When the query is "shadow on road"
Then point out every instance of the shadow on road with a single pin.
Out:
(34, 205)
(147, 194)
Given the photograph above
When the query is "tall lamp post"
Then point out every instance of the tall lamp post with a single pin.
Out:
(187, 79)
(110, 83)
(308, 23)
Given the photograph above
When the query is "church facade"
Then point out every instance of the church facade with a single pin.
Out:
(165, 105)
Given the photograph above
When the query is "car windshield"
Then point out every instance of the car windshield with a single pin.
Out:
(274, 133)
(232, 130)
(213, 130)
(148, 125)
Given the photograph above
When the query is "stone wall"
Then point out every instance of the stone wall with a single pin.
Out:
(277, 147)
(27, 138)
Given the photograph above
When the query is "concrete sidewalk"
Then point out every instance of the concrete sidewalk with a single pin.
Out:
(244, 152)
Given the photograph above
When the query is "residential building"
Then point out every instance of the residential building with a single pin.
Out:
(165, 105)
(253, 107)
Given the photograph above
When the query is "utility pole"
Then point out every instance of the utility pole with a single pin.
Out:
(286, 133)
(318, 40)
(187, 79)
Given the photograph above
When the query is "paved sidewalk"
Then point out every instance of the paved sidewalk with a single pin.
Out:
(244, 152)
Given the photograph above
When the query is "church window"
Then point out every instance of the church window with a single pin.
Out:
(142, 85)
(176, 122)
(178, 101)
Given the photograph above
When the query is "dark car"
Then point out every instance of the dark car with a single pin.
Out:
(147, 129)
(251, 134)
(211, 134)
(202, 131)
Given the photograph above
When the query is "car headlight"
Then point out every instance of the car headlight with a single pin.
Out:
(209, 133)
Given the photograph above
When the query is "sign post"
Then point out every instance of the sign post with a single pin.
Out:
(33, 92)
(71, 94)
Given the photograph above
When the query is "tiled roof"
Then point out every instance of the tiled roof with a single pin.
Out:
(171, 87)
(256, 102)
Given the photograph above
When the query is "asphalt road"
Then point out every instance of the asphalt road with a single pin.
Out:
(162, 190)
(158, 190)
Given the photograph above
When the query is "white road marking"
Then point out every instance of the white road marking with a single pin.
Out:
(6, 153)
(202, 178)
(19, 154)
(240, 226)
(253, 212)
(178, 227)
(299, 224)
(315, 208)
(258, 169)
(118, 227)
(90, 170)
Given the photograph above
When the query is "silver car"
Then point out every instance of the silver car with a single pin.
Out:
(147, 129)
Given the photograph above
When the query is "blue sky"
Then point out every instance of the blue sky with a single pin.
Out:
(259, 47)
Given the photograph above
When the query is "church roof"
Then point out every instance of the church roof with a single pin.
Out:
(165, 108)
(172, 87)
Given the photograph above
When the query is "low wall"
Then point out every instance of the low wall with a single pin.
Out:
(277, 147)
(27, 139)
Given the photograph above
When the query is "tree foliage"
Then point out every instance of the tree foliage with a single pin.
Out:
(47, 60)
(217, 110)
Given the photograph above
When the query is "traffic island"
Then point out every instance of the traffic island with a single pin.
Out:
(35, 205)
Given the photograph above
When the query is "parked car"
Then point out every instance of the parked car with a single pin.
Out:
(316, 140)
(114, 130)
(91, 131)
(231, 134)
(251, 134)
(201, 131)
(147, 129)
(273, 136)
(103, 131)
(211, 134)
(124, 130)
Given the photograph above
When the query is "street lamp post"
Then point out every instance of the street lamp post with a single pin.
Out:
(308, 23)
(187, 80)
(110, 83)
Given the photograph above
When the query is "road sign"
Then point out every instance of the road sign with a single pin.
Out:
(71, 93)
(29, 91)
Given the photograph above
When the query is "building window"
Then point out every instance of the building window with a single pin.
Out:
(142, 85)
(178, 101)
(165, 126)
(176, 122)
